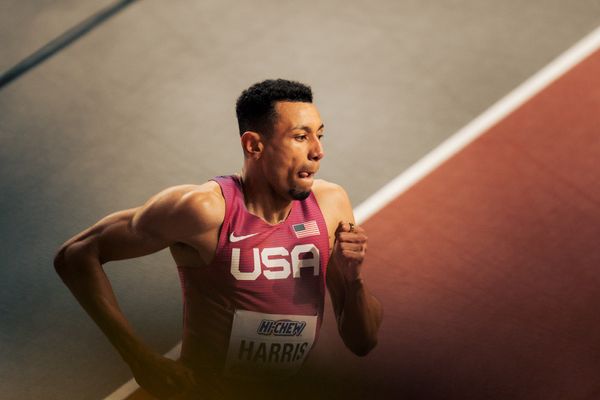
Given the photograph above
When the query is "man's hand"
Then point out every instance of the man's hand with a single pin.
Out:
(161, 377)
(349, 250)
(358, 312)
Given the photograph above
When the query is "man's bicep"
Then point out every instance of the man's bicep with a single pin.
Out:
(345, 207)
(337, 206)
(115, 237)
(122, 237)
(177, 214)
(162, 221)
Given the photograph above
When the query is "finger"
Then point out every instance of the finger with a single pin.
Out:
(342, 227)
(187, 374)
(352, 237)
(353, 255)
(350, 246)
(192, 378)
(359, 229)
(184, 378)
(356, 229)
(355, 247)
(351, 225)
(171, 381)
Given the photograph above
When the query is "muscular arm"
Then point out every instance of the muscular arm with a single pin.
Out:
(358, 312)
(175, 215)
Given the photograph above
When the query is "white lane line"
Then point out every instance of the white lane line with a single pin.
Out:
(447, 149)
(131, 385)
(478, 126)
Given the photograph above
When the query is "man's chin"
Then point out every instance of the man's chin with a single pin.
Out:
(299, 194)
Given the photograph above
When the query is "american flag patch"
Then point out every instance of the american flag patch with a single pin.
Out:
(306, 229)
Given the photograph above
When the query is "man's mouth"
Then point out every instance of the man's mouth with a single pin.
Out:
(306, 174)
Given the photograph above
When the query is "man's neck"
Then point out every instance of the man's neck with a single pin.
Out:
(262, 201)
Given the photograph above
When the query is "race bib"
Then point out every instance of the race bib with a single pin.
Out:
(264, 345)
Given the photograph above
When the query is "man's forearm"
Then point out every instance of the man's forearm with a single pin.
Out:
(360, 318)
(83, 274)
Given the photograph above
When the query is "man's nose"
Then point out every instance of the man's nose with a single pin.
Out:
(316, 150)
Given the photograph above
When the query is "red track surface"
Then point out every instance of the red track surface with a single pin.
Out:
(489, 268)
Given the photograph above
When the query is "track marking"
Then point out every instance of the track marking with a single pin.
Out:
(62, 41)
(478, 126)
(131, 385)
(447, 149)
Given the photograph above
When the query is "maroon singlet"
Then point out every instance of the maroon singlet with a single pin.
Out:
(257, 308)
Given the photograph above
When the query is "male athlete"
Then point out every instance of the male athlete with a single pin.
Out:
(254, 252)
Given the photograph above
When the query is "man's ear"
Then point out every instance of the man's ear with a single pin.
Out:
(252, 144)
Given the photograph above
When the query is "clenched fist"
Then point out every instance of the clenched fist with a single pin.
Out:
(349, 250)
(162, 377)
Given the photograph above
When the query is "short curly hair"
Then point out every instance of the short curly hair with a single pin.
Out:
(255, 108)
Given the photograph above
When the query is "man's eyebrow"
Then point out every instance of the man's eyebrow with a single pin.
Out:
(307, 128)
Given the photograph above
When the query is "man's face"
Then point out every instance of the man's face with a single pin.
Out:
(293, 151)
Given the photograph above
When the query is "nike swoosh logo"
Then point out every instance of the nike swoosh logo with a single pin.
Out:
(233, 238)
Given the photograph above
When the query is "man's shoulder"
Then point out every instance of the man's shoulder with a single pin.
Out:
(332, 198)
(324, 189)
(205, 196)
(189, 204)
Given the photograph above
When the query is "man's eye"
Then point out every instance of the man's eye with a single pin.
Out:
(300, 138)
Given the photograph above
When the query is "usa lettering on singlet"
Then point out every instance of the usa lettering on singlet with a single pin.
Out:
(263, 292)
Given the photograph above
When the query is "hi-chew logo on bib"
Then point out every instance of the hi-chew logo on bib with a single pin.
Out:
(264, 345)
(283, 327)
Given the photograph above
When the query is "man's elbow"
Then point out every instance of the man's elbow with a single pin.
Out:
(363, 347)
(65, 257)
(60, 261)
